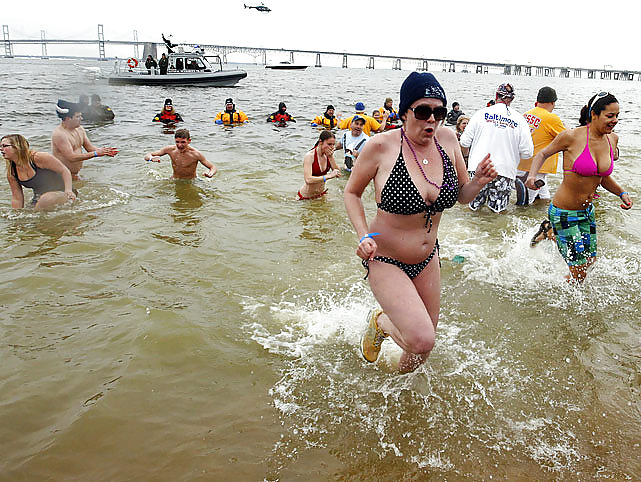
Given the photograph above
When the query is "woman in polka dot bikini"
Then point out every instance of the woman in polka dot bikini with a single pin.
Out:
(416, 176)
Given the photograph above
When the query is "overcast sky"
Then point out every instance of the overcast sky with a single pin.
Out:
(546, 32)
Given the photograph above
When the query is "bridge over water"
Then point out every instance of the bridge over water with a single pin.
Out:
(420, 63)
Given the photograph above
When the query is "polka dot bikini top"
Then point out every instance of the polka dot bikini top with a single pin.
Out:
(401, 196)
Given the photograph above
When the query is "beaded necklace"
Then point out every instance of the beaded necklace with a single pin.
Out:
(419, 164)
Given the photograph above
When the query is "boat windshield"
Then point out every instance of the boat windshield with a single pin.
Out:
(190, 63)
(214, 62)
(195, 63)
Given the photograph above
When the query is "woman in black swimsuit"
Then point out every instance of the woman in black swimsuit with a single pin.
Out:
(45, 174)
(418, 171)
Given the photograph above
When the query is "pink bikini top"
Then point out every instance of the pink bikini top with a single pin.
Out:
(585, 165)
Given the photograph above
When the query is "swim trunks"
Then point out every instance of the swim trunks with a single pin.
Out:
(496, 194)
(575, 233)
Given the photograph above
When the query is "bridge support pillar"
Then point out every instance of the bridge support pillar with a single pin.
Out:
(423, 66)
(565, 73)
(344, 61)
(528, 70)
(318, 61)
(452, 67)
(370, 63)
(606, 74)
(517, 70)
(8, 49)
(264, 55)
(44, 45)
(291, 57)
(396, 65)
(507, 70)
(591, 74)
(577, 73)
(101, 43)
(136, 52)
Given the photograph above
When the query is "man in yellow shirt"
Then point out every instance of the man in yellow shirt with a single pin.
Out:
(371, 124)
(544, 126)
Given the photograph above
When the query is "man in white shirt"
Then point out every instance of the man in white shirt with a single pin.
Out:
(505, 135)
(352, 141)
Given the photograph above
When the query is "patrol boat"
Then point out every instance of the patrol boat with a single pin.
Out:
(185, 68)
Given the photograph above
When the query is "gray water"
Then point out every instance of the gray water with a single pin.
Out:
(209, 330)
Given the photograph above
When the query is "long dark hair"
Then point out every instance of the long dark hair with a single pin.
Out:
(324, 135)
(595, 106)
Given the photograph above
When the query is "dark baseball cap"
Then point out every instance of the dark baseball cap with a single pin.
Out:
(546, 94)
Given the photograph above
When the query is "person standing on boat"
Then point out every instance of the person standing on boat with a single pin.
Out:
(230, 115)
(150, 63)
(69, 138)
(503, 133)
(416, 177)
(47, 176)
(328, 120)
(163, 64)
(589, 153)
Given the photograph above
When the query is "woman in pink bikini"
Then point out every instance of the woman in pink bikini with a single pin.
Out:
(589, 153)
(319, 166)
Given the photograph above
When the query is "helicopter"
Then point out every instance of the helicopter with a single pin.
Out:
(260, 8)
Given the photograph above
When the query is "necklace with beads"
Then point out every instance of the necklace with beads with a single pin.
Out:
(425, 161)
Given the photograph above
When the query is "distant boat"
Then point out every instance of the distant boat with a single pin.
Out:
(286, 66)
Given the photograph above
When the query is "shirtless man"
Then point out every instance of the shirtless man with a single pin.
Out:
(69, 138)
(184, 158)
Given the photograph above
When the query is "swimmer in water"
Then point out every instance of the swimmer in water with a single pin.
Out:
(168, 114)
(69, 138)
(589, 153)
(47, 176)
(184, 158)
(416, 177)
(319, 166)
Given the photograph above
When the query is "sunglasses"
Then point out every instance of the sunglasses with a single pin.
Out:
(598, 96)
(424, 112)
(4, 146)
